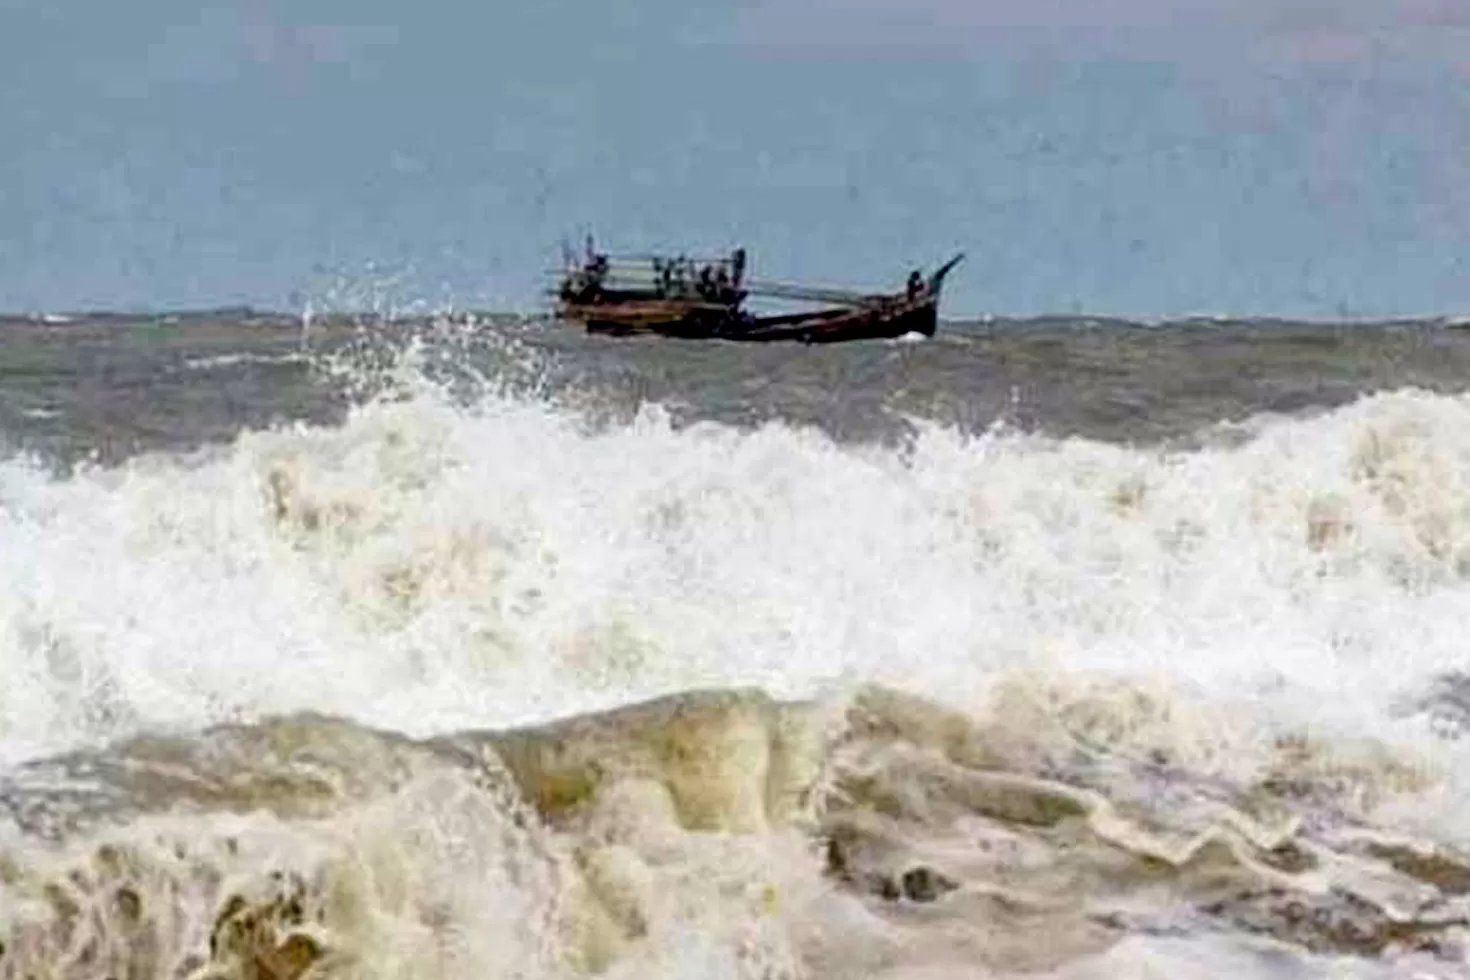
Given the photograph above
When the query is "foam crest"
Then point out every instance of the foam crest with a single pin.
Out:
(433, 564)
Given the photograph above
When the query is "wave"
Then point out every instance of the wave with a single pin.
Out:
(872, 835)
(505, 561)
(1213, 673)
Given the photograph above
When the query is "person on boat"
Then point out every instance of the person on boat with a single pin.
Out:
(597, 274)
(706, 282)
(915, 285)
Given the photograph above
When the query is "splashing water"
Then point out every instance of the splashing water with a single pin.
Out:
(1180, 634)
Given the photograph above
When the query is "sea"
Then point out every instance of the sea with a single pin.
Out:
(447, 645)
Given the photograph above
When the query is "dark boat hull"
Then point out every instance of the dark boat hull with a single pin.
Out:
(838, 326)
(882, 322)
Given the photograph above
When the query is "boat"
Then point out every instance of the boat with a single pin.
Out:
(703, 299)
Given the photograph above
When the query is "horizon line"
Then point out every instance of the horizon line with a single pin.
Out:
(63, 316)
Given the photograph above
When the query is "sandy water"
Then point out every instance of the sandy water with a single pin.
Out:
(1056, 649)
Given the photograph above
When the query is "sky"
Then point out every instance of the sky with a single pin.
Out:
(1144, 158)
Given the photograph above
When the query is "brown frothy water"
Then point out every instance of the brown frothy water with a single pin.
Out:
(881, 834)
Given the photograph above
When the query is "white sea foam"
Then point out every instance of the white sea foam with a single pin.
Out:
(216, 361)
(428, 566)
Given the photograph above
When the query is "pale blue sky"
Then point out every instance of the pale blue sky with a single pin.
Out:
(1131, 157)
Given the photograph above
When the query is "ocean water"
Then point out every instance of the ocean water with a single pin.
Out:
(475, 647)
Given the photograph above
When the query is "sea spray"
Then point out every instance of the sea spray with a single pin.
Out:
(495, 561)
(1141, 673)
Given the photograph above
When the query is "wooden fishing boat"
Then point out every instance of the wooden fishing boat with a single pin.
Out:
(704, 299)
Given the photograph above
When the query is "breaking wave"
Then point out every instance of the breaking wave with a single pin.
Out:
(484, 688)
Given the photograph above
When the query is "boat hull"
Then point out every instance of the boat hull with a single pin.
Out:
(890, 321)
(839, 326)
